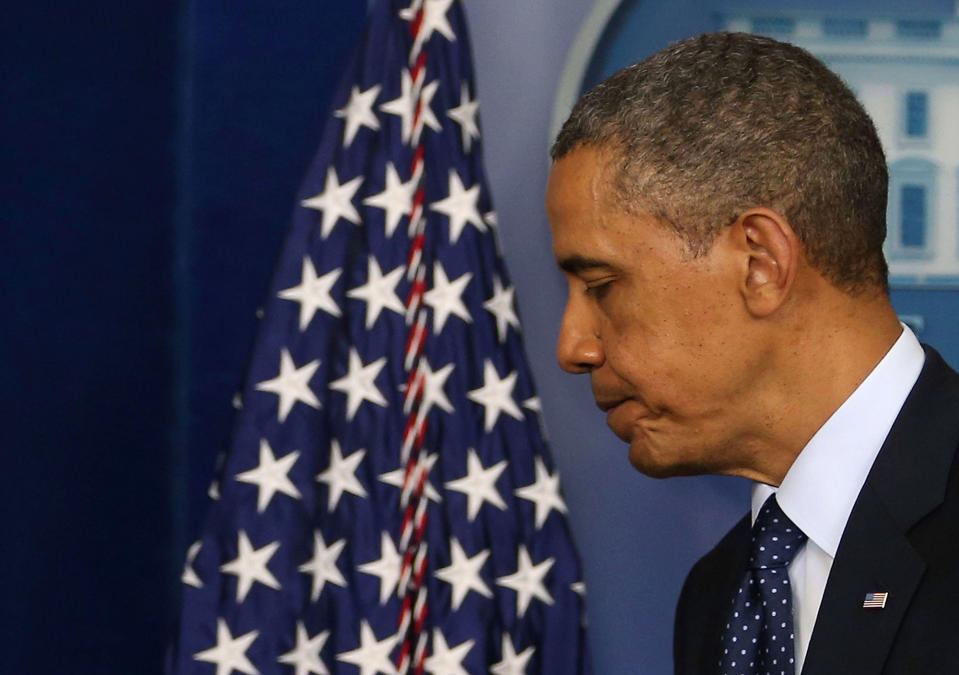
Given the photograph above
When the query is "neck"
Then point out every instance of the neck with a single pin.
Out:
(833, 341)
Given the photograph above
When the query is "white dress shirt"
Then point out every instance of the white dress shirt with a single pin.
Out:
(823, 483)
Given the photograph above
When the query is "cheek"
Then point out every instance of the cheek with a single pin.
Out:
(706, 323)
(681, 358)
(644, 361)
(667, 329)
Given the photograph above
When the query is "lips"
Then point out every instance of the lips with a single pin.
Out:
(607, 404)
(620, 420)
(622, 414)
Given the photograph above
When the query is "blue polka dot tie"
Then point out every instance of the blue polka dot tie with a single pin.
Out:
(759, 637)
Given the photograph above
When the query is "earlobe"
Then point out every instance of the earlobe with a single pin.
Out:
(773, 260)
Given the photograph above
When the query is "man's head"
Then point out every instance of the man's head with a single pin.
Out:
(718, 211)
(715, 124)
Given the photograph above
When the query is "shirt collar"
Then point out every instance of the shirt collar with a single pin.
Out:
(821, 487)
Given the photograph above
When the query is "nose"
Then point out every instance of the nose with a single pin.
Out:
(579, 348)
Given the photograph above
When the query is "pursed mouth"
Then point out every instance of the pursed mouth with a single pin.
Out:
(608, 404)
(613, 407)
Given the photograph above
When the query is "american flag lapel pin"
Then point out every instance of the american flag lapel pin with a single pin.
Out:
(875, 600)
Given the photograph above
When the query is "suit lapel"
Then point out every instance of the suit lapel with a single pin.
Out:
(907, 481)
(874, 556)
(723, 591)
(706, 602)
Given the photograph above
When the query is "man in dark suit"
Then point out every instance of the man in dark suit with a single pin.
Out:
(719, 212)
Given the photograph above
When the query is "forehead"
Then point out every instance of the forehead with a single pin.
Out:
(582, 178)
(579, 200)
(583, 209)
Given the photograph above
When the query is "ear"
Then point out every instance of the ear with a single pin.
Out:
(774, 255)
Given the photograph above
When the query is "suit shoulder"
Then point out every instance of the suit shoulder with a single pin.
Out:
(704, 602)
(730, 552)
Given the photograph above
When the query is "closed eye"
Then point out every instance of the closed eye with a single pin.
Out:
(599, 287)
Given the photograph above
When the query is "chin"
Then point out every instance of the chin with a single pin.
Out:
(661, 464)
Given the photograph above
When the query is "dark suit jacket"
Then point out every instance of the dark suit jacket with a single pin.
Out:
(902, 537)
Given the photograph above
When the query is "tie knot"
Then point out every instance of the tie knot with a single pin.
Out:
(775, 538)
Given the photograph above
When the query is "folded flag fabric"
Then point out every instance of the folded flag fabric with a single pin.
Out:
(389, 503)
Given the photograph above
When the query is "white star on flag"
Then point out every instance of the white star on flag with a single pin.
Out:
(512, 663)
(527, 581)
(189, 576)
(305, 656)
(322, 566)
(496, 395)
(271, 476)
(379, 291)
(465, 115)
(398, 476)
(479, 484)
(535, 405)
(229, 654)
(434, 21)
(463, 574)
(402, 106)
(250, 566)
(358, 383)
(446, 660)
(292, 384)
(340, 476)
(544, 493)
(396, 199)
(387, 567)
(336, 201)
(372, 656)
(460, 206)
(446, 297)
(501, 307)
(313, 293)
(431, 384)
(359, 112)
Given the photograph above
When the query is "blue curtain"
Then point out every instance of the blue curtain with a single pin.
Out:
(152, 152)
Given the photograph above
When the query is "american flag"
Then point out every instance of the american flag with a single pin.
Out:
(875, 601)
(389, 504)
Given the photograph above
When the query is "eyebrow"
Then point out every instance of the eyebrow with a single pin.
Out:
(575, 264)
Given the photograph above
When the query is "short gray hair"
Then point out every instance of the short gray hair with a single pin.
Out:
(719, 123)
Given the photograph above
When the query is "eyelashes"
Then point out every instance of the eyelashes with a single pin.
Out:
(598, 289)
